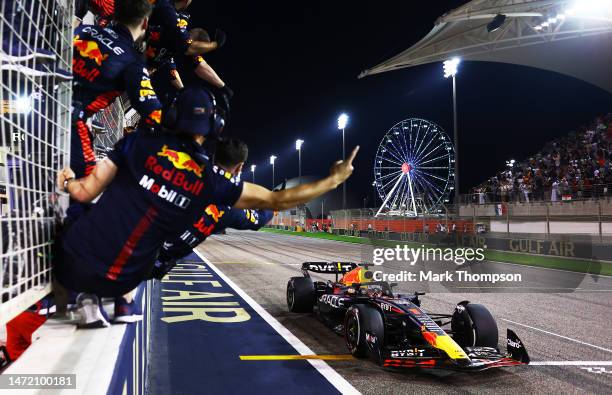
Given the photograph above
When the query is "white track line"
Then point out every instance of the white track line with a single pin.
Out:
(570, 363)
(322, 367)
(548, 268)
(561, 336)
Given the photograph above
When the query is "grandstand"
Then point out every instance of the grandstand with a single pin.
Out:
(575, 166)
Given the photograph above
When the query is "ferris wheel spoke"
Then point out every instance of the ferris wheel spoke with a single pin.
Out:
(389, 175)
(436, 158)
(420, 152)
(390, 167)
(431, 189)
(399, 179)
(388, 159)
(402, 147)
(434, 167)
(429, 174)
(397, 151)
(392, 153)
(397, 195)
(433, 186)
(389, 182)
(434, 150)
(421, 143)
(407, 147)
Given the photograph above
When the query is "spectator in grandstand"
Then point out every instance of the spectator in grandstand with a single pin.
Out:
(575, 166)
(230, 155)
(105, 65)
(156, 186)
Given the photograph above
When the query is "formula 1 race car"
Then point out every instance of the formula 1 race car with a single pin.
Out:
(393, 329)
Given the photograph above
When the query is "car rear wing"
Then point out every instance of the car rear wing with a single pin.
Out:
(328, 267)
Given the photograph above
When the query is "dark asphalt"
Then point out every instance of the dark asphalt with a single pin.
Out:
(559, 316)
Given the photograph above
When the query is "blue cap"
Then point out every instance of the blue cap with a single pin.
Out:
(195, 108)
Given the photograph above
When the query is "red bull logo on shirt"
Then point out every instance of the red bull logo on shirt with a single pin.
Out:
(89, 50)
(181, 160)
(174, 176)
(214, 212)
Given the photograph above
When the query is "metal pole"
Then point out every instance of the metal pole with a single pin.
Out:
(344, 183)
(272, 175)
(253, 177)
(456, 141)
(300, 166)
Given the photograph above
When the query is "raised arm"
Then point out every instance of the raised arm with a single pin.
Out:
(257, 197)
(208, 74)
(86, 189)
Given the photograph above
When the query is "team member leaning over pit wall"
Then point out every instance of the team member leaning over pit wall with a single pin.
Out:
(105, 65)
(155, 186)
(230, 156)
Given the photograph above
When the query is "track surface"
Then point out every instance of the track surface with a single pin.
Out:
(555, 327)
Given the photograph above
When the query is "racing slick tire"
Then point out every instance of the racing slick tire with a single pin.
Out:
(300, 295)
(474, 326)
(358, 322)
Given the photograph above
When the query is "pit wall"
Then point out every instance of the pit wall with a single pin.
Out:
(130, 375)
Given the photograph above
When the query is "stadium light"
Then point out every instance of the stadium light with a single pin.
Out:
(253, 171)
(589, 7)
(450, 67)
(298, 147)
(272, 160)
(342, 122)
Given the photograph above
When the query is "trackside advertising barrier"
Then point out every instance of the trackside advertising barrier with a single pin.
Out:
(130, 374)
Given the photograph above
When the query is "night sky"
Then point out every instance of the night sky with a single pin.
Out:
(293, 67)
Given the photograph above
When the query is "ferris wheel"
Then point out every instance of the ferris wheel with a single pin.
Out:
(414, 168)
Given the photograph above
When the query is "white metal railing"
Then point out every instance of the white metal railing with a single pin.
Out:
(35, 96)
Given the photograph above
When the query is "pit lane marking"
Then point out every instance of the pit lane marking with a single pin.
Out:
(345, 357)
(321, 366)
(245, 263)
(570, 363)
(557, 335)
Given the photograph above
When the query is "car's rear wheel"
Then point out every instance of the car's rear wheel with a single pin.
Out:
(474, 326)
(358, 322)
(300, 294)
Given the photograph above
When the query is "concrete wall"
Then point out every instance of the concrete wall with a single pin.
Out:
(556, 227)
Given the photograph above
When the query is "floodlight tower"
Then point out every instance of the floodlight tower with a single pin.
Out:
(450, 70)
(272, 160)
(342, 122)
(298, 147)
(253, 171)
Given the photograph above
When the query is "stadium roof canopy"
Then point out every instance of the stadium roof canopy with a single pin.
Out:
(569, 37)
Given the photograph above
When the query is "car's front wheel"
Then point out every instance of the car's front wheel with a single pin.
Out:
(474, 326)
(359, 322)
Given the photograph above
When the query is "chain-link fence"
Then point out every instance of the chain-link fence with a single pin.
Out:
(35, 95)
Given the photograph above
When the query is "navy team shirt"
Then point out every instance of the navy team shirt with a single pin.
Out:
(214, 220)
(163, 184)
(105, 64)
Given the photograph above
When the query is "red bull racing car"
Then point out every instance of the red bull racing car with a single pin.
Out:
(393, 329)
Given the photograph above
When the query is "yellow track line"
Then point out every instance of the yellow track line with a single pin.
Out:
(346, 357)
